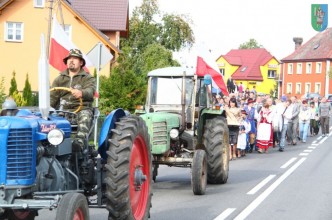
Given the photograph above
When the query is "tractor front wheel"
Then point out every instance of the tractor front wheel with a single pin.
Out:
(73, 206)
(129, 172)
(199, 172)
(19, 214)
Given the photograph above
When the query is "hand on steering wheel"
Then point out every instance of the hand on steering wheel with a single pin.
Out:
(69, 90)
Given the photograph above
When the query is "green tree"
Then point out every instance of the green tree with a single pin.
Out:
(251, 44)
(2, 90)
(13, 85)
(18, 99)
(153, 37)
(27, 93)
(148, 26)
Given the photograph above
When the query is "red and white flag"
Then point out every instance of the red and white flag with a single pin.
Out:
(60, 46)
(205, 65)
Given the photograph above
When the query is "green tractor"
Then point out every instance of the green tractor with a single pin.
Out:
(186, 129)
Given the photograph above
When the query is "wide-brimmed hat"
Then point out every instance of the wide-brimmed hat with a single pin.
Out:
(74, 53)
(244, 112)
(250, 100)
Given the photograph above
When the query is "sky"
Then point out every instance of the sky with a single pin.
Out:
(222, 25)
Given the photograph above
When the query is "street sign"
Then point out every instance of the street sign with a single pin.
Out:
(99, 55)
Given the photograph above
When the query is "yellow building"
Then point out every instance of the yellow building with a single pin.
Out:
(253, 67)
(23, 22)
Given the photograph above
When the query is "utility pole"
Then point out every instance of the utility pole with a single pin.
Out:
(49, 29)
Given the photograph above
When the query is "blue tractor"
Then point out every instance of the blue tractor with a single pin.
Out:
(39, 169)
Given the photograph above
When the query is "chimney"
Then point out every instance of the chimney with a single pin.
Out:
(298, 42)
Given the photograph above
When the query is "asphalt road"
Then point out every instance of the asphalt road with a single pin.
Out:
(294, 184)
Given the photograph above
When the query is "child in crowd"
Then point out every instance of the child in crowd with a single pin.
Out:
(243, 134)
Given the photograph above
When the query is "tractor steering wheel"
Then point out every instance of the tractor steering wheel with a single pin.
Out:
(69, 90)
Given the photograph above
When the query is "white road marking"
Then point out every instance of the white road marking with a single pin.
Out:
(304, 154)
(254, 204)
(312, 147)
(288, 163)
(314, 144)
(307, 151)
(324, 139)
(261, 184)
(225, 214)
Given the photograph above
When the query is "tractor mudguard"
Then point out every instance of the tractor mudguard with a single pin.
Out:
(106, 130)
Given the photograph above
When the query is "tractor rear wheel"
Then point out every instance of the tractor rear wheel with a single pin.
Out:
(199, 172)
(216, 142)
(129, 172)
(73, 206)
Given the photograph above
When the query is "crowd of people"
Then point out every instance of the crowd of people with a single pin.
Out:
(258, 123)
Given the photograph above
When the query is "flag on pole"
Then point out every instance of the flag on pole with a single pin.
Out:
(206, 65)
(60, 46)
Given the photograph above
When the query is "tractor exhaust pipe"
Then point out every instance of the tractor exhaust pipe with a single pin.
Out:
(183, 102)
(44, 81)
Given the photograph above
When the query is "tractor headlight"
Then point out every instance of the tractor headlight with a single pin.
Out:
(55, 137)
(174, 133)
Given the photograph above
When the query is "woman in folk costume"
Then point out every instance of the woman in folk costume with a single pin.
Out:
(264, 138)
(243, 134)
(233, 115)
(252, 116)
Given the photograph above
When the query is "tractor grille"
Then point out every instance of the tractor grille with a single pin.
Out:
(19, 154)
(159, 133)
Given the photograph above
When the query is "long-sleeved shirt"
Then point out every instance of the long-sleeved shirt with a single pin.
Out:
(324, 109)
(304, 115)
(233, 116)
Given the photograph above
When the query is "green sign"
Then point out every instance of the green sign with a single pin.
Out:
(319, 15)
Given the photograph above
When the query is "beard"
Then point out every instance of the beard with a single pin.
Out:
(73, 68)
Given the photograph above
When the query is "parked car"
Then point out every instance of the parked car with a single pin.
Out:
(311, 96)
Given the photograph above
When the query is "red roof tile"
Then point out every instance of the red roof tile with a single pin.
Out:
(317, 48)
(235, 61)
(106, 15)
(251, 61)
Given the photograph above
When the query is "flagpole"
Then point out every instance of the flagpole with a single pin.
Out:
(97, 89)
(49, 29)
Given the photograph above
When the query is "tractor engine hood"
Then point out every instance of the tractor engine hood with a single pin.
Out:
(159, 125)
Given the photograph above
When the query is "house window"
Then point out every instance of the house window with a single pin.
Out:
(307, 87)
(308, 68)
(317, 87)
(271, 74)
(290, 68)
(319, 67)
(299, 68)
(222, 71)
(298, 88)
(39, 3)
(289, 88)
(14, 31)
(67, 29)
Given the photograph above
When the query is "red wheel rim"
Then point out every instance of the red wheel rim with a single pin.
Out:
(21, 214)
(78, 215)
(139, 160)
